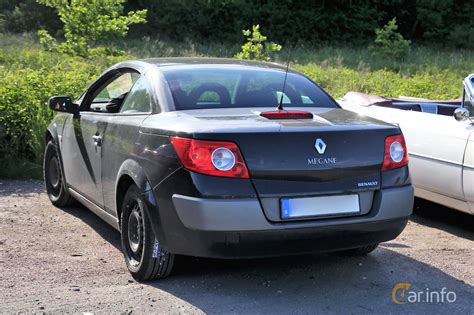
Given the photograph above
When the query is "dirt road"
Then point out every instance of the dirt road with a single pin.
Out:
(58, 260)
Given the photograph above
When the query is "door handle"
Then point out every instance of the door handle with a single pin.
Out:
(97, 140)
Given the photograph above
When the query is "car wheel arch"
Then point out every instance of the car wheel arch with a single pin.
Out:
(51, 134)
(131, 173)
(48, 136)
(123, 183)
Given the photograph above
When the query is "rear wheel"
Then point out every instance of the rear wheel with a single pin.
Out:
(359, 251)
(54, 178)
(145, 258)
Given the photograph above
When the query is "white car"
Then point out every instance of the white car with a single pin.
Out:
(440, 141)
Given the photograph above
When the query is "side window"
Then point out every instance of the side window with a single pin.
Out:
(115, 91)
(138, 100)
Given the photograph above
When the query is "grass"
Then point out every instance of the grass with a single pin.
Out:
(426, 72)
(30, 76)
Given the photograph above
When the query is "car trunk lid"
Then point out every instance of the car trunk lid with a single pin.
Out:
(335, 152)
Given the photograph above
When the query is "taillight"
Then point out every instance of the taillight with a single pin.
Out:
(217, 158)
(395, 154)
(287, 114)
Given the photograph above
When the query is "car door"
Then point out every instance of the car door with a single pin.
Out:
(83, 136)
(468, 167)
(468, 172)
(120, 140)
(436, 144)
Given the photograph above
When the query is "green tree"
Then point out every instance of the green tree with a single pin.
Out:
(256, 47)
(390, 43)
(88, 24)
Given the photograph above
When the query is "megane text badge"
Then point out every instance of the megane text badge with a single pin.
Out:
(320, 146)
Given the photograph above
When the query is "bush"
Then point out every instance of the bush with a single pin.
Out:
(89, 23)
(462, 36)
(425, 84)
(256, 47)
(390, 43)
(30, 77)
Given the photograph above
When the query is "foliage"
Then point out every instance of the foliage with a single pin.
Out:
(288, 21)
(448, 21)
(19, 16)
(89, 23)
(340, 80)
(437, 22)
(390, 43)
(29, 77)
(256, 47)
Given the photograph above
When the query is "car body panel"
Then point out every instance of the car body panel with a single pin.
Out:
(440, 150)
(279, 155)
(82, 157)
(246, 215)
(266, 143)
(228, 120)
(468, 172)
(118, 145)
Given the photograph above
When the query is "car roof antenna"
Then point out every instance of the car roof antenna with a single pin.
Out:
(280, 104)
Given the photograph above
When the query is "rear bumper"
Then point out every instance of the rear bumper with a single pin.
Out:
(238, 228)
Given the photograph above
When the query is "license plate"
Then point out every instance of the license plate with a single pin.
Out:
(319, 206)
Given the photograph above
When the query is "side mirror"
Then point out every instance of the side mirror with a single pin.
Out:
(63, 104)
(112, 107)
(461, 114)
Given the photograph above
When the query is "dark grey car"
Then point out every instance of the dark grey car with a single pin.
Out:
(190, 157)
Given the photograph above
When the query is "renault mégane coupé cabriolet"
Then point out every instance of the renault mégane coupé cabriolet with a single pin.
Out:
(225, 158)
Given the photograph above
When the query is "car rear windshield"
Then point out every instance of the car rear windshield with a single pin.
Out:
(200, 87)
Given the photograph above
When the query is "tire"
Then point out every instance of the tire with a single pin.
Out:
(144, 257)
(359, 251)
(54, 178)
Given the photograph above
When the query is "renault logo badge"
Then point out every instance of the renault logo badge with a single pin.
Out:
(320, 146)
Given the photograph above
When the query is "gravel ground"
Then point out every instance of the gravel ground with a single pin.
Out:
(68, 260)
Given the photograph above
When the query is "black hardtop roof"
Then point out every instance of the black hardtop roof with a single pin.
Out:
(143, 64)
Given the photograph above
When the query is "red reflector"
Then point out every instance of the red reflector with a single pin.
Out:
(197, 155)
(287, 114)
(395, 153)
